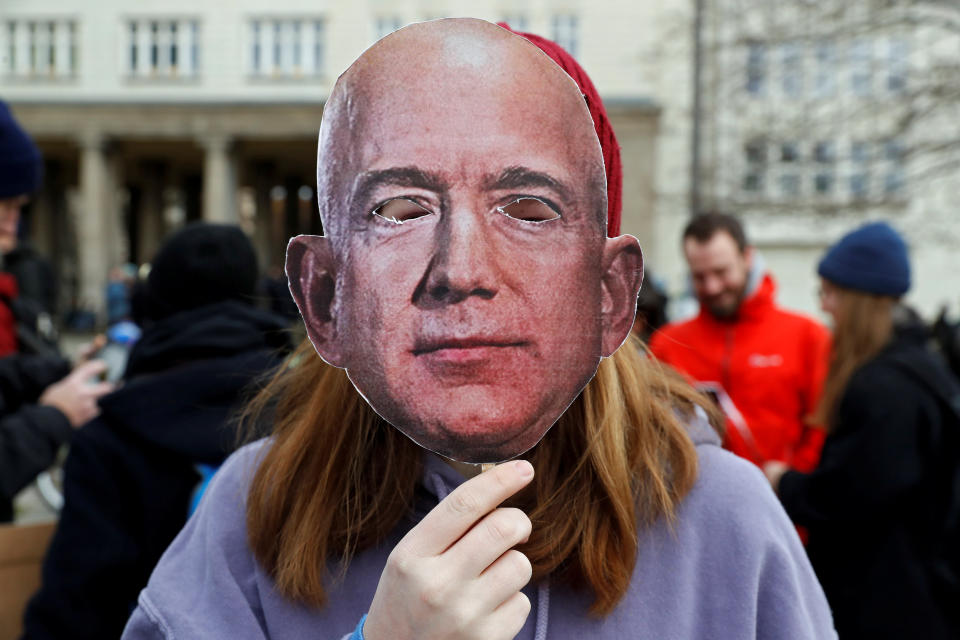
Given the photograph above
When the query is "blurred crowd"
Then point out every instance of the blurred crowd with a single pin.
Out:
(856, 426)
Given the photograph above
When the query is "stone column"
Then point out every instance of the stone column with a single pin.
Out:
(118, 239)
(92, 225)
(42, 213)
(151, 211)
(261, 176)
(219, 180)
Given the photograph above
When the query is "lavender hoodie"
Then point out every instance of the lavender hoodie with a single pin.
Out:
(732, 568)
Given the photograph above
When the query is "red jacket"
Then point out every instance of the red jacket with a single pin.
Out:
(771, 363)
(8, 323)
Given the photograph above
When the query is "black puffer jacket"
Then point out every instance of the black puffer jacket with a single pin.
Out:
(876, 503)
(130, 473)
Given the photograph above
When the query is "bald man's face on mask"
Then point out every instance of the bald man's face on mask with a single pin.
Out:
(469, 289)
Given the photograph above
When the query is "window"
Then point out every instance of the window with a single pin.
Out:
(824, 84)
(753, 182)
(756, 68)
(755, 154)
(824, 152)
(791, 55)
(278, 48)
(255, 57)
(38, 49)
(163, 48)
(385, 25)
(897, 66)
(790, 183)
(824, 171)
(563, 31)
(789, 152)
(154, 46)
(893, 183)
(285, 47)
(823, 183)
(824, 158)
(195, 45)
(859, 170)
(296, 45)
(861, 72)
(318, 40)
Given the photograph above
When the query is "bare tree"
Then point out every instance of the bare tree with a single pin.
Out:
(827, 105)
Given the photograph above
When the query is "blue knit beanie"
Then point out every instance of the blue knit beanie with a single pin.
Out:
(21, 166)
(872, 259)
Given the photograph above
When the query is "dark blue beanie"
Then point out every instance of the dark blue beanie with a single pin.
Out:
(21, 166)
(872, 259)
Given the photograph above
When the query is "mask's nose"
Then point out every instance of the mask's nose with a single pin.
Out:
(463, 264)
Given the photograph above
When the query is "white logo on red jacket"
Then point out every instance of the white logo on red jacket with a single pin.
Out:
(761, 361)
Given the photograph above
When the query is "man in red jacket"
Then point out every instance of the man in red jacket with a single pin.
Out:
(764, 365)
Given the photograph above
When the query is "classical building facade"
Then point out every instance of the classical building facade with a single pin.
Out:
(196, 109)
(813, 117)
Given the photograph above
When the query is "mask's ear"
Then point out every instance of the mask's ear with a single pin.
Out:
(312, 272)
(620, 281)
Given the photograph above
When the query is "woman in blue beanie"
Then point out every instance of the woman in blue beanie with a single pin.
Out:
(875, 506)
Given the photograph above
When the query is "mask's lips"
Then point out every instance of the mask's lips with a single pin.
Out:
(427, 345)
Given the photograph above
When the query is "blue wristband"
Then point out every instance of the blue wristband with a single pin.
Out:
(358, 632)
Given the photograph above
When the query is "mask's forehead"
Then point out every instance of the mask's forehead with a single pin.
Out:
(463, 66)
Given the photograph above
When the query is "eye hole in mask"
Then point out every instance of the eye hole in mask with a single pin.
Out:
(400, 210)
(529, 209)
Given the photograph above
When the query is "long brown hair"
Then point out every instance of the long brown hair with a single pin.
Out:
(337, 478)
(863, 326)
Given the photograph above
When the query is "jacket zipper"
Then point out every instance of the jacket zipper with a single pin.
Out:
(727, 357)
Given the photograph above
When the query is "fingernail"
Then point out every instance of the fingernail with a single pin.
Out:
(524, 468)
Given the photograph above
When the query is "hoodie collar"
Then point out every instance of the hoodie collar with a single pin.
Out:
(440, 478)
(759, 301)
(218, 330)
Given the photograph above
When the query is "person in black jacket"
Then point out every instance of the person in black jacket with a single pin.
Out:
(876, 504)
(41, 403)
(131, 473)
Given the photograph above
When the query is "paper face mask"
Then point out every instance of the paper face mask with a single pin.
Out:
(465, 281)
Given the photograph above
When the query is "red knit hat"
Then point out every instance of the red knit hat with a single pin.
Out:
(608, 141)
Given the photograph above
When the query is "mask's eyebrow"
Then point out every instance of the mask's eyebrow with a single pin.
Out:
(513, 178)
(368, 181)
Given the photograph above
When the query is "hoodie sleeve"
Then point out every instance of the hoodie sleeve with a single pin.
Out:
(205, 585)
(29, 440)
(790, 603)
(750, 545)
(24, 377)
